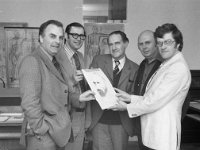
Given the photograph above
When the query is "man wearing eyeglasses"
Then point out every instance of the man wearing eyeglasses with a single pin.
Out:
(72, 61)
(161, 105)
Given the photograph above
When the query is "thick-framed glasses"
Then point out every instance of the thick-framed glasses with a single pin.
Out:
(166, 42)
(76, 36)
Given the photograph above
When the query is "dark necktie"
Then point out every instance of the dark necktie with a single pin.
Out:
(78, 67)
(77, 62)
(57, 65)
(116, 69)
(116, 74)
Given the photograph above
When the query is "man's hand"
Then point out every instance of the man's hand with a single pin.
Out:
(78, 75)
(87, 96)
(123, 96)
(121, 106)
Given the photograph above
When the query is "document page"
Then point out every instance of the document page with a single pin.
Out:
(101, 86)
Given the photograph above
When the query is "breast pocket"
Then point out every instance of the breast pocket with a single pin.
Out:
(130, 85)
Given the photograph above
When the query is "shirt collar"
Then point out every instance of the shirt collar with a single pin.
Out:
(122, 62)
(68, 51)
(147, 62)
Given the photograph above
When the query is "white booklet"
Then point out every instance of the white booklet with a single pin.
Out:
(101, 86)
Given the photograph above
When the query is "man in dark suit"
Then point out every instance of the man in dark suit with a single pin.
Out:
(72, 62)
(44, 93)
(111, 129)
(148, 48)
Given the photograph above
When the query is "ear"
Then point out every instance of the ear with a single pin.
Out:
(138, 46)
(66, 36)
(177, 46)
(41, 39)
(126, 44)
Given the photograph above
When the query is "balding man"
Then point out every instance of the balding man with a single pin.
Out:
(151, 62)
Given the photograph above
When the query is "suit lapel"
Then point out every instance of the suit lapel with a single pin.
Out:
(65, 62)
(108, 69)
(155, 67)
(49, 64)
(124, 72)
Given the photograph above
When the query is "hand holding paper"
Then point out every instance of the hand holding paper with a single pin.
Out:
(78, 75)
(87, 96)
(120, 106)
(123, 96)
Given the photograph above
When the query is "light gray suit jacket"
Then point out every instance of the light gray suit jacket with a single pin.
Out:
(44, 96)
(125, 83)
(161, 106)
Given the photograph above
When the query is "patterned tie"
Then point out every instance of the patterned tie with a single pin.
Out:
(116, 69)
(77, 62)
(116, 74)
(78, 67)
(57, 65)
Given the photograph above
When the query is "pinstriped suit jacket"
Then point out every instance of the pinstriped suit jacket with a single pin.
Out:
(69, 71)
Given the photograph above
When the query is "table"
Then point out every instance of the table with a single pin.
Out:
(11, 120)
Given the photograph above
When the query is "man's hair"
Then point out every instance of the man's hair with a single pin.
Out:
(74, 24)
(122, 34)
(45, 24)
(170, 28)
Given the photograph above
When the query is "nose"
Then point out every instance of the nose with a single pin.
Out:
(163, 46)
(79, 38)
(57, 40)
(114, 46)
(144, 46)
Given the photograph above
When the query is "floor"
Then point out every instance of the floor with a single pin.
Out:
(186, 146)
(134, 146)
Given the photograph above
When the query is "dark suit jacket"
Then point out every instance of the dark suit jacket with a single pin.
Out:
(139, 90)
(125, 83)
(140, 75)
(44, 98)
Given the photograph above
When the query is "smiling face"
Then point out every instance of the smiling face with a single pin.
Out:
(52, 39)
(147, 45)
(73, 43)
(167, 46)
(117, 46)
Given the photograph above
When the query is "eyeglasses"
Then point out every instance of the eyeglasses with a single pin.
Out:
(76, 36)
(166, 42)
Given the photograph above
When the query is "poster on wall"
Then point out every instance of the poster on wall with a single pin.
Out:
(96, 40)
(19, 43)
(3, 76)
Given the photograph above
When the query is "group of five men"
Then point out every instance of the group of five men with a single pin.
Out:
(55, 96)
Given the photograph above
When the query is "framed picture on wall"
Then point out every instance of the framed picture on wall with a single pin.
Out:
(3, 76)
(96, 40)
(19, 42)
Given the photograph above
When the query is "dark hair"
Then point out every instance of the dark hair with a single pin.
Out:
(170, 28)
(74, 24)
(45, 24)
(122, 34)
